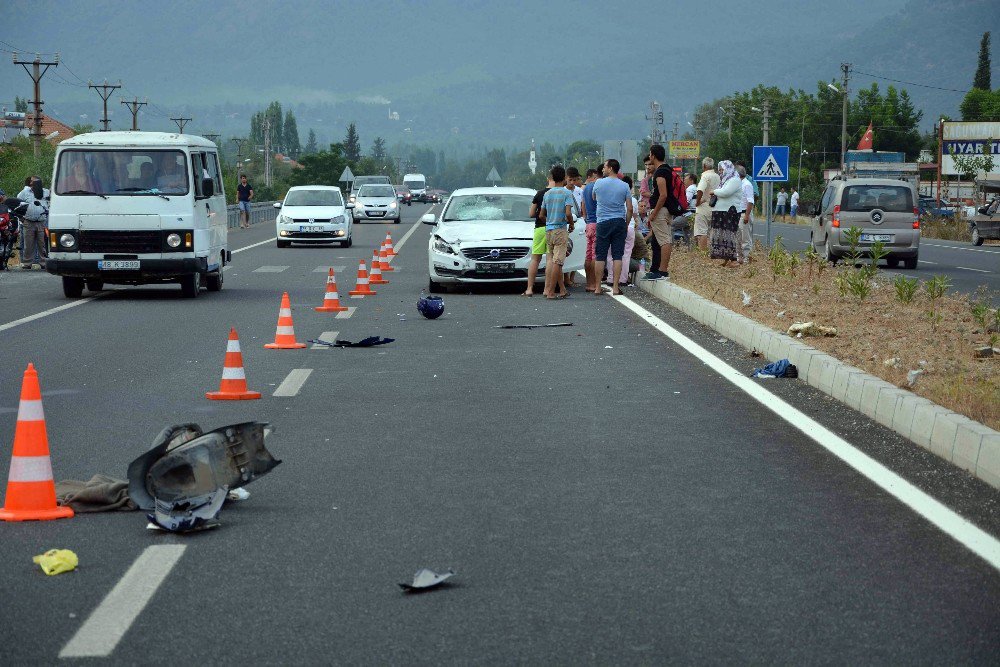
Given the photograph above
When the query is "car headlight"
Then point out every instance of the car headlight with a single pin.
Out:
(338, 220)
(441, 246)
(173, 240)
(392, 204)
(67, 240)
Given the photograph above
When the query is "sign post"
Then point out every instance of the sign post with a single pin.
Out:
(347, 176)
(770, 165)
(493, 177)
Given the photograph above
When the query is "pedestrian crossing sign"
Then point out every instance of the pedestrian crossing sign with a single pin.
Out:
(770, 163)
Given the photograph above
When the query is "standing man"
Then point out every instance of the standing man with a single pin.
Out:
(746, 213)
(703, 209)
(574, 183)
(557, 214)
(782, 200)
(589, 209)
(538, 245)
(33, 228)
(795, 203)
(244, 193)
(660, 218)
(614, 207)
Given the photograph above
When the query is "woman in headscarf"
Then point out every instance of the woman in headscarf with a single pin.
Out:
(724, 234)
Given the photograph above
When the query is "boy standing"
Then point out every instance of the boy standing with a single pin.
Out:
(557, 213)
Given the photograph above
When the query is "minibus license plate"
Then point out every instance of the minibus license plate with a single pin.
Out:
(118, 264)
(871, 238)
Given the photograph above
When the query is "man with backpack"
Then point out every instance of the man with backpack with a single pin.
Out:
(668, 200)
(33, 228)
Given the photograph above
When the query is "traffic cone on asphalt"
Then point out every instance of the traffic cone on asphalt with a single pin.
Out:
(388, 246)
(362, 288)
(331, 300)
(376, 274)
(284, 336)
(383, 260)
(31, 491)
(233, 386)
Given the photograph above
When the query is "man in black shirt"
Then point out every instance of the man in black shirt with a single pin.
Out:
(538, 245)
(660, 218)
(244, 193)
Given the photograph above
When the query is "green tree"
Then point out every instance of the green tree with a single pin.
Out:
(982, 78)
(81, 128)
(321, 168)
(379, 153)
(981, 105)
(292, 144)
(352, 144)
(311, 146)
(20, 105)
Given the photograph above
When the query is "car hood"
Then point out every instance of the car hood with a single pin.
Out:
(473, 231)
(376, 200)
(313, 212)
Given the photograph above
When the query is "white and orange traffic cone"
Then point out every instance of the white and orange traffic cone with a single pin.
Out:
(362, 288)
(233, 386)
(331, 300)
(31, 490)
(375, 278)
(284, 335)
(389, 251)
(383, 260)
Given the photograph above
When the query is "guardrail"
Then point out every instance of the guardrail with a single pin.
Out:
(259, 212)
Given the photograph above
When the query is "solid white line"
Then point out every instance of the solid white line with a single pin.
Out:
(969, 268)
(960, 247)
(346, 314)
(291, 385)
(976, 540)
(50, 311)
(107, 624)
(254, 245)
(328, 336)
(398, 246)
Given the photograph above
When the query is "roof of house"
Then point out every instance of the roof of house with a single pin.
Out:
(50, 125)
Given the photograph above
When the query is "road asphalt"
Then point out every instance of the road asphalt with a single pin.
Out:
(603, 496)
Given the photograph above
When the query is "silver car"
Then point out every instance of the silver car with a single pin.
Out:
(376, 202)
(884, 209)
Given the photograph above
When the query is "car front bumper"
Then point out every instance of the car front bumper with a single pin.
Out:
(327, 233)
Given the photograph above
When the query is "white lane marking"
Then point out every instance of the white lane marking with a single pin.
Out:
(969, 268)
(326, 269)
(924, 261)
(354, 296)
(960, 529)
(107, 624)
(346, 314)
(960, 247)
(328, 336)
(270, 269)
(50, 311)
(254, 245)
(291, 385)
(399, 245)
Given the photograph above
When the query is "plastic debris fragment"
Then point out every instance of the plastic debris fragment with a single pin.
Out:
(426, 579)
(56, 561)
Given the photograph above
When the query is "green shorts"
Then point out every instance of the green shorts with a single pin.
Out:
(538, 245)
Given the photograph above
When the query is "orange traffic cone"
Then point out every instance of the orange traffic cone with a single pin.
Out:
(362, 288)
(31, 491)
(388, 246)
(233, 386)
(376, 273)
(284, 336)
(331, 300)
(383, 260)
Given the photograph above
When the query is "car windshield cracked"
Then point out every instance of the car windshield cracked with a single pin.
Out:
(512, 208)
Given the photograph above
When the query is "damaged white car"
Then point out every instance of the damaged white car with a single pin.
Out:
(484, 235)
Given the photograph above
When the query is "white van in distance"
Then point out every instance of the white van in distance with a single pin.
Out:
(417, 185)
(132, 208)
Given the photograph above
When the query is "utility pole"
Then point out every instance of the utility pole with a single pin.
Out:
(36, 73)
(133, 108)
(656, 119)
(104, 90)
(674, 135)
(267, 151)
(846, 69)
(181, 122)
(766, 208)
(802, 137)
(213, 137)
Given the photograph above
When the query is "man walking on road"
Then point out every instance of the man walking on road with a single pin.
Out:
(660, 218)
(614, 207)
(703, 209)
(244, 195)
(557, 214)
(782, 200)
(538, 246)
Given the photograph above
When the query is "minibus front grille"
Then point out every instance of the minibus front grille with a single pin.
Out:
(130, 242)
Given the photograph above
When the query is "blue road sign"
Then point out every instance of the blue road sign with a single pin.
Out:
(770, 163)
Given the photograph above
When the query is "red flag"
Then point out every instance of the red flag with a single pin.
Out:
(866, 141)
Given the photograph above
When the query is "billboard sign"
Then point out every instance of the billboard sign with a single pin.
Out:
(970, 140)
(685, 150)
(625, 151)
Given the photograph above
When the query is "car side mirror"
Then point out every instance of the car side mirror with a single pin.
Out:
(428, 219)
(277, 204)
(207, 187)
(814, 209)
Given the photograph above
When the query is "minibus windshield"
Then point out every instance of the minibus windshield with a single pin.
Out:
(121, 172)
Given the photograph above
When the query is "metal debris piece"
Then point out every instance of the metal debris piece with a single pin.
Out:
(189, 514)
(426, 579)
(371, 341)
(533, 326)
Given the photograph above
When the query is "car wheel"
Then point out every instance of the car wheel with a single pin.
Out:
(433, 287)
(72, 287)
(191, 285)
(350, 241)
(976, 238)
(284, 244)
(213, 281)
(398, 220)
(95, 285)
(910, 263)
(828, 253)
(892, 263)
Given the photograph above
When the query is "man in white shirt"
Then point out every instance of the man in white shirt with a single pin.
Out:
(746, 213)
(795, 203)
(782, 200)
(703, 209)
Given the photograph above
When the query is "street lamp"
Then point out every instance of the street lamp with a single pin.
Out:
(843, 129)
(798, 185)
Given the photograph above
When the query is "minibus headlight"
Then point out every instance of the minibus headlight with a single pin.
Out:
(174, 240)
(67, 240)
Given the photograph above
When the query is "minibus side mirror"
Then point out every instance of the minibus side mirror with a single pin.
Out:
(207, 187)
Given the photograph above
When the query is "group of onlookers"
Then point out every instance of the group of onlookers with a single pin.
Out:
(25, 218)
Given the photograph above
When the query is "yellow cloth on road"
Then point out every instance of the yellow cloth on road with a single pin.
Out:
(57, 561)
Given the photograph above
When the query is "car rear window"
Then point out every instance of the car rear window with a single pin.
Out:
(889, 198)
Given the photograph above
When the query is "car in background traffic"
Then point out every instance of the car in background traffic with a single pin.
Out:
(361, 181)
(376, 202)
(313, 214)
(984, 224)
(403, 194)
(884, 209)
(929, 206)
(484, 235)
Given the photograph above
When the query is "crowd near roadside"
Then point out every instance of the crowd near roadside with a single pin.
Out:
(24, 223)
(629, 227)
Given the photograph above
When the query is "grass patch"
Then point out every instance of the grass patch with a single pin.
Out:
(949, 229)
(886, 328)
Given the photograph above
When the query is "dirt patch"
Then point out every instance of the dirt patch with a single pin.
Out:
(879, 334)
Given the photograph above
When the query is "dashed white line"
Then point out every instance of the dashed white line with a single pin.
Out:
(270, 269)
(326, 336)
(924, 261)
(969, 268)
(346, 314)
(291, 385)
(960, 247)
(106, 625)
(50, 311)
(407, 235)
(326, 269)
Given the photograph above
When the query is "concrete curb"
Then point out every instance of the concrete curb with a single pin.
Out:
(954, 437)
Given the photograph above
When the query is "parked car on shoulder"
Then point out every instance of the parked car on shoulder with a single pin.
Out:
(929, 206)
(985, 224)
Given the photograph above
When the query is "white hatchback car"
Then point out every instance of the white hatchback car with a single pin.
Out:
(376, 201)
(314, 214)
(484, 235)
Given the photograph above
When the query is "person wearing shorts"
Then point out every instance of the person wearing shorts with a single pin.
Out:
(557, 214)
(538, 246)
(660, 218)
(244, 193)
(589, 209)
(614, 208)
(703, 210)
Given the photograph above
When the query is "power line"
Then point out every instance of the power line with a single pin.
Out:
(909, 83)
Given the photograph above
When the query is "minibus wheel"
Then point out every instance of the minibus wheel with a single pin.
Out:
(190, 285)
(72, 287)
(95, 285)
(213, 281)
